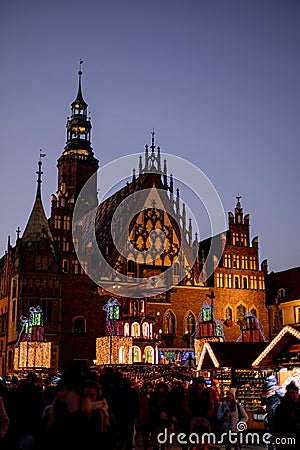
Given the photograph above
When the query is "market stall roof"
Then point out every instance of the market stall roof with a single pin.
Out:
(283, 350)
(237, 355)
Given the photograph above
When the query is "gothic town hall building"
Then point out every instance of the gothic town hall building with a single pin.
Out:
(45, 267)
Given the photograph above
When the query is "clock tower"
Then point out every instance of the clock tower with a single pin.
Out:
(77, 162)
(76, 166)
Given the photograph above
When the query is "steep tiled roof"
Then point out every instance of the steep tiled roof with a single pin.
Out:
(37, 225)
(289, 280)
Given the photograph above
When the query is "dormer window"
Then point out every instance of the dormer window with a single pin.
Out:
(281, 293)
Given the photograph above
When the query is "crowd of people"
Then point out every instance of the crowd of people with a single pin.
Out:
(283, 414)
(110, 412)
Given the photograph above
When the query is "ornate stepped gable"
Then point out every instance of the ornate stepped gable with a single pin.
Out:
(149, 219)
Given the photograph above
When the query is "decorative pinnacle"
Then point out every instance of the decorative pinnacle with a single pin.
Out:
(79, 98)
(238, 197)
(18, 231)
(152, 143)
(80, 71)
(40, 172)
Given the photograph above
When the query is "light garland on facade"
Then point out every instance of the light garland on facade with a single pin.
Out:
(286, 329)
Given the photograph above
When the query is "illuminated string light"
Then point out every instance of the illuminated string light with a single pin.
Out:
(207, 348)
(108, 349)
(31, 351)
(32, 355)
(286, 329)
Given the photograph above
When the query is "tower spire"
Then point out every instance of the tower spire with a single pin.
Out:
(79, 97)
(37, 225)
(79, 124)
(39, 174)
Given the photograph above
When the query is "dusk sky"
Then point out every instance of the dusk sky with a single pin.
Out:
(218, 80)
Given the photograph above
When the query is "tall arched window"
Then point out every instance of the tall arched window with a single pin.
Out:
(149, 355)
(145, 328)
(134, 354)
(135, 308)
(169, 322)
(135, 329)
(126, 329)
(126, 306)
(237, 282)
(189, 323)
(240, 313)
(228, 313)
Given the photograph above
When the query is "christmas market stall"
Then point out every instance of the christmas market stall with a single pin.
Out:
(231, 364)
(282, 355)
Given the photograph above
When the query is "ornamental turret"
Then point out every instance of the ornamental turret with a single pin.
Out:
(79, 125)
(77, 162)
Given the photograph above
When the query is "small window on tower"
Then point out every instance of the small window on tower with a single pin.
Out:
(65, 265)
(57, 222)
(78, 325)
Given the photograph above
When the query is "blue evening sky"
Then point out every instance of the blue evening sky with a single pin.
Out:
(217, 79)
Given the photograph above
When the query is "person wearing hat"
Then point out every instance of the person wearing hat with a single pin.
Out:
(231, 414)
(271, 397)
